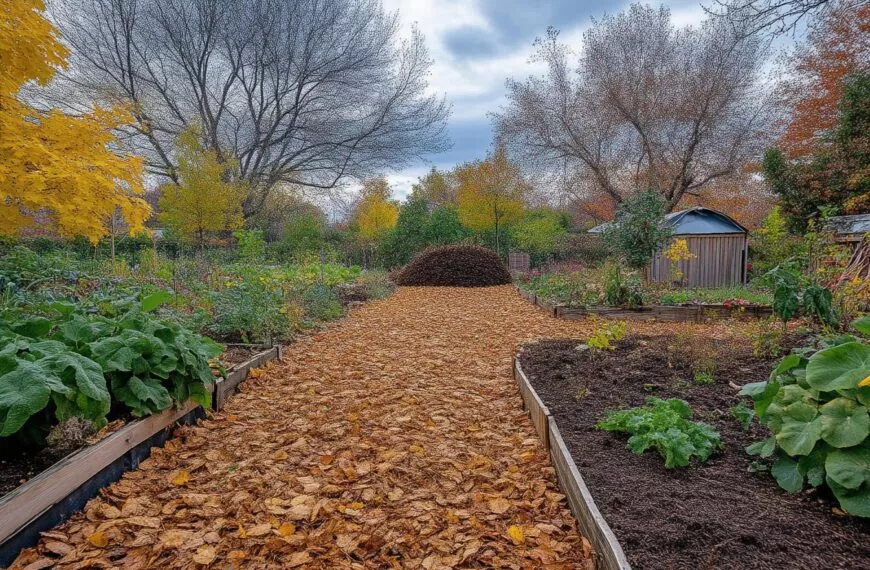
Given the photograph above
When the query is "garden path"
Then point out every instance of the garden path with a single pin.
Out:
(393, 439)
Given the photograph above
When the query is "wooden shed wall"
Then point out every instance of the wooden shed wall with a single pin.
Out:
(719, 261)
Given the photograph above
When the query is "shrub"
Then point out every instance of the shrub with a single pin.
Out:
(638, 229)
(816, 406)
(605, 333)
(321, 303)
(250, 309)
(455, 266)
(664, 425)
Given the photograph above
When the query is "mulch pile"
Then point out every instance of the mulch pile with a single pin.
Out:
(455, 266)
(712, 515)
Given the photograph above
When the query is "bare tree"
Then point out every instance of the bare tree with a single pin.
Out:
(645, 106)
(303, 92)
(773, 17)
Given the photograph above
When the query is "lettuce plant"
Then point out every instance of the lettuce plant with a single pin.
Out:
(664, 425)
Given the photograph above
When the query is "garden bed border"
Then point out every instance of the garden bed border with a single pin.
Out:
(609, 553)
(52, 496)
(49, 498)
(695, 313)
(224, 388)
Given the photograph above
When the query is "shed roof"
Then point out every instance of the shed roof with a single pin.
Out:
(697, 220)
(856, 224)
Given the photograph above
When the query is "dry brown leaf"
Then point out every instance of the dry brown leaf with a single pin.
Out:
(259, 530)
(205, 555)
(298, 559)
(59, 548)
(499, 505)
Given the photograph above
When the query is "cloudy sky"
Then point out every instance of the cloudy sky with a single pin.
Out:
(477, 44)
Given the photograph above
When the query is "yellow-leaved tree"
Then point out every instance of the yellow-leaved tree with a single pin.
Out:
(376, 212)
(490, 194)
(57, 171)
(207, 198)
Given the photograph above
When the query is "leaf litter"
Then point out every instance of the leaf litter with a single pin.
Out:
(394, 439)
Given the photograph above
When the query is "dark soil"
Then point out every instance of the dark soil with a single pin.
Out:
(454, 266)
(235, 355)
(17, 468)
(712, 515)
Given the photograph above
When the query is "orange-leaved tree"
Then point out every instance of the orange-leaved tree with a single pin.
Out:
(56, 170)
(376, 212)
(490, 194)
(207, 198)
(815, 73)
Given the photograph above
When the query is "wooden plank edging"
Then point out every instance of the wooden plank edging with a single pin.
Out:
(697, 313)
(608, 552)
(22, 508)
(226, 387)
(538, 412)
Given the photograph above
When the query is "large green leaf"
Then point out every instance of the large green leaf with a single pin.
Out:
(76, 332)
(839, 367)
(844, 422)
(862, 325)
(23, 392)
(154, 300)
(799, 437)
(787, 473)
(142, 396)
(34, 327)
(849, 468)
(853, 501)
(82, 374)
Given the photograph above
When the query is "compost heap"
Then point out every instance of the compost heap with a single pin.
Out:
(454, 266)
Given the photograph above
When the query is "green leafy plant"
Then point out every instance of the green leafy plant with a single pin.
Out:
(743, 414)
(605, 333)
(622, 292)
(638, 229)
(816, 406)
(664, 425)
(73, 363)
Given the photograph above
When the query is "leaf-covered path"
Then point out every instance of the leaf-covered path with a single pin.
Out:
(394, 439)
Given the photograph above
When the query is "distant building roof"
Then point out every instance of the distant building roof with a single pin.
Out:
(857, 224)
(697, 220)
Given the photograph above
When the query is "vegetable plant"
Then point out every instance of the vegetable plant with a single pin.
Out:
(664, 425)
(816, 406)
(83, 364)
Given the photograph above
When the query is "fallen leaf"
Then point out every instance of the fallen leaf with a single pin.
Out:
(98, 539)
(499, 505)
(205, 554)
(298, 559)
(286, 529)
(180, 478)
(516, 534)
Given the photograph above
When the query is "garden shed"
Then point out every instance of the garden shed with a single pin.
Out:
(718, 243)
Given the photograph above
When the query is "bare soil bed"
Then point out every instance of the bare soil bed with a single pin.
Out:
(715, 515)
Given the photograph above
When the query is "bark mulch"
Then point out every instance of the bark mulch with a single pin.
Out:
(394, 439)
(715, 515)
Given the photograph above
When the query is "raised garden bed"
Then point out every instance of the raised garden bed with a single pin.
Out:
(711, 515)
(48, 497)
(692, 313)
